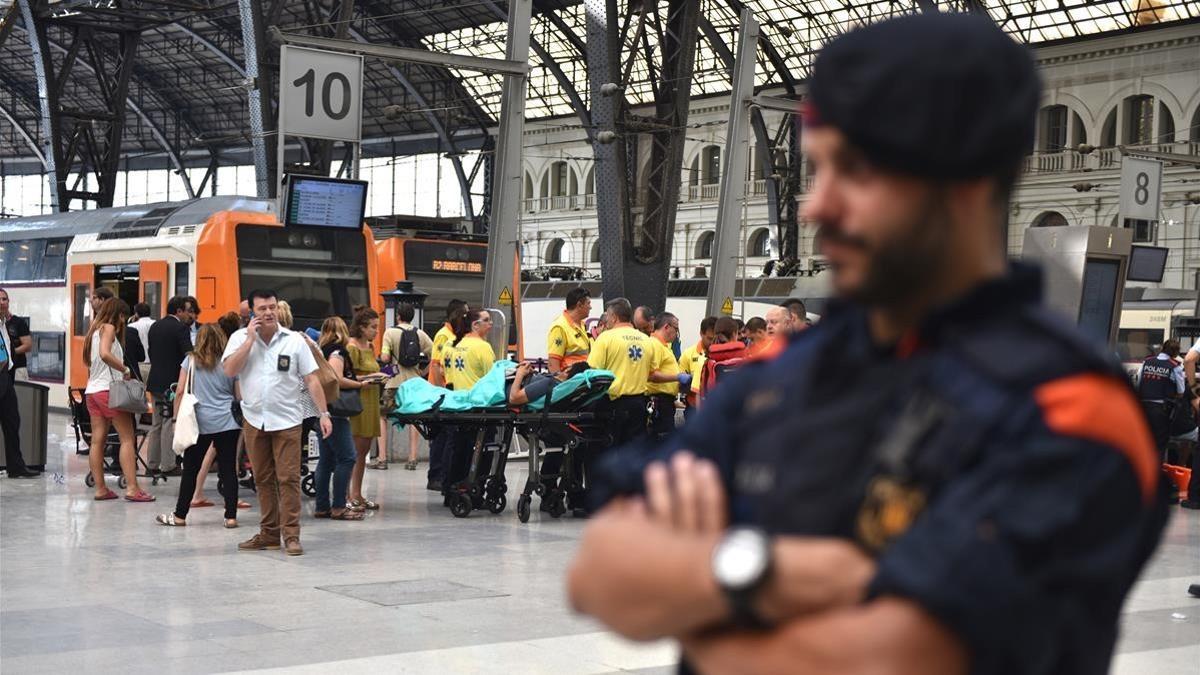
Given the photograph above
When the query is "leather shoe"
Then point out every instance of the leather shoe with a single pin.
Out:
(259, 542)
(1190, 504)
(28, 473)
(1194, 590)
(293, 547)
(434, 485)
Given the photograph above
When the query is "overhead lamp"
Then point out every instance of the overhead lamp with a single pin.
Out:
(1084, 187)
(610, 89)
(606, 137)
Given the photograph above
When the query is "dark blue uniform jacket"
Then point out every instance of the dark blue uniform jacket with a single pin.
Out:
(995, 463)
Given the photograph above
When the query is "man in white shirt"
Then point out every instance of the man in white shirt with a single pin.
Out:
(270, 363)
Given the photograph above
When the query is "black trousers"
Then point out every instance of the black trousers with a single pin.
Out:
(462, 447)
(662, 424)
(628, 419)
(439, 450)
(1158, 415)
(10, 424)
(227, 485)
(1193, 490)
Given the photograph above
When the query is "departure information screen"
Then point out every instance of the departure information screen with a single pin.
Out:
(324, 202)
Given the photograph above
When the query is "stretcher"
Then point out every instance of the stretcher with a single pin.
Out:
(566, 418)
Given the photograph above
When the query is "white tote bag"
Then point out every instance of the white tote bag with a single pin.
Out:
(187, 428)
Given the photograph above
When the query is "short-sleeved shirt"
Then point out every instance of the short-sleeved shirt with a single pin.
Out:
(470, 360)
(214, 398)
(16, 328)
(539, 385)
(664, 362)
(441, 339)
(391, 347)
(691, 361)
(272, 374)
(568, 341)
(627, 352)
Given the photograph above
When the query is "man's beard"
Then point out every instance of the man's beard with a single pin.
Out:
(905, 266)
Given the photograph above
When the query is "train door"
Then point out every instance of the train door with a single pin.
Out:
(81, 280)
(152, 277)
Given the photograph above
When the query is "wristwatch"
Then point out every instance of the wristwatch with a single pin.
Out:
(741, 562)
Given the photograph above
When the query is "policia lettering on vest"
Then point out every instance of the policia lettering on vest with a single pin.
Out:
(976, 494)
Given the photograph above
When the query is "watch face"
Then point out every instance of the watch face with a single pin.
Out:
(740, 559)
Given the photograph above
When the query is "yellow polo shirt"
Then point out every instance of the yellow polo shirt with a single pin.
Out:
(470, 360)
(443, 337)
(664, 362)
(628, 353)
(568, 341)
(692, 361)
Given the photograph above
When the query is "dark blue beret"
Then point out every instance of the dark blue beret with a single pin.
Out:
(945, 96)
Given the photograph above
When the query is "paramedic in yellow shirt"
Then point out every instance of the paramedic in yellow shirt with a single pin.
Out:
(628, 353)
(568, 341)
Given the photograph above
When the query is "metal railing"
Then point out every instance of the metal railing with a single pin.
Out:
(1098, 159)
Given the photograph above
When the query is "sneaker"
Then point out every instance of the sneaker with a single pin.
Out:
(1190, 504)
(259, 542)
(293, 547)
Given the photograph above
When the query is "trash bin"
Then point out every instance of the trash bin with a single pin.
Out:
(33, 401)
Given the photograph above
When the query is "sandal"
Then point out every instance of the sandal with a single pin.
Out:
(321, 514)
(361, 504)
(140, 496)
(198, 503)
(348, 514)
(411, 466)
(230, 523)
(243, 504)
(169, 520)
(382, 466)
(108, 494)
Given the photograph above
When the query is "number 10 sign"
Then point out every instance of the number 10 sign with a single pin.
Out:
(320, 94)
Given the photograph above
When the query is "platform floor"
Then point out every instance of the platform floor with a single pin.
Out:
(99, 587)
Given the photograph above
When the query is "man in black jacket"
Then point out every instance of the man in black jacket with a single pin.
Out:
(170, 340)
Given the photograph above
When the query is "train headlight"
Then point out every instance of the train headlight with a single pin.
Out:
(310, 240)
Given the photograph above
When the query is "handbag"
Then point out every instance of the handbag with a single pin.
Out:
(187, 427)
(347, 404)
(326, 375)
(128, 396)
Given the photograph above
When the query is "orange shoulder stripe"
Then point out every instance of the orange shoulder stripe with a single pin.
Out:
(1101, 409)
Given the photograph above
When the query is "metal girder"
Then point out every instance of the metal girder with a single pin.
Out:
(612, 194)
(464, 185)
(926, 5)
(551, 63)
(262, 120)
(207, 44)
(406, 54)
(84, 142)
(728, 232)
(773, 55)
(646, 273)
(23, 132)
(504, 230)
(8, 21)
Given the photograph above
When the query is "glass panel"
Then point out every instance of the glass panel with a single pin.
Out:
(152, 294)
(54, 260)
(79, 304)
(181, 278)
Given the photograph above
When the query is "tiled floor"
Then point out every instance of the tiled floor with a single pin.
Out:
(98, 587)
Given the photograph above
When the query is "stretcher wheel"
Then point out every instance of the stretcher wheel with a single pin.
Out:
(460, 505)
(309, 485)
(523, 508)
(497, 505)
(122, 483)
(89, 480)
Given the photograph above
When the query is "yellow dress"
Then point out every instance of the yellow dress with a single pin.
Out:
(365, 424)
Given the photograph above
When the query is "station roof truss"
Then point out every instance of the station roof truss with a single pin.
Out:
(187, 92)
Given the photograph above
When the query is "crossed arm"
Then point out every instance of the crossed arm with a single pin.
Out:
(643, 569)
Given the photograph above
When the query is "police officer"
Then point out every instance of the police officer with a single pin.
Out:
(1160, 383)
(976, 492)
(568, 342)
(626, 352)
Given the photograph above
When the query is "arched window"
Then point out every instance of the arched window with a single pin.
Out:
(528, 186)
(589, 183)
(1194, 132)
(1148, 121)
(760, 243)
(1059, 128)
(1050, 219)
(560, 177)
(694, 174)
(711, 170)
(556, 253)
(594, 256)
(704, 246)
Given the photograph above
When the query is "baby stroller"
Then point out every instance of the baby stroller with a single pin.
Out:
(81, 422)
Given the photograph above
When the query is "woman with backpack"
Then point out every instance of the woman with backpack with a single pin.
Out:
(407, 349)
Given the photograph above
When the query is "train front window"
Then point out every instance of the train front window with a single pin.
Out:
(318, 271)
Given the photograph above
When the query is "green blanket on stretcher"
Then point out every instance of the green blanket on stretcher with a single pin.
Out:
(418, 396)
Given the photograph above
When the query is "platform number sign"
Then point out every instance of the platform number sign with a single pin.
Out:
(321, 94)
(1141, 188)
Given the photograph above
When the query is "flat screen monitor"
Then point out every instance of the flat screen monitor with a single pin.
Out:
(1147, 263)
(1101, 278)
(324, 202)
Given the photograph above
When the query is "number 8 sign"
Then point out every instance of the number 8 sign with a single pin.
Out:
(320, 94)
(1141, 188)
